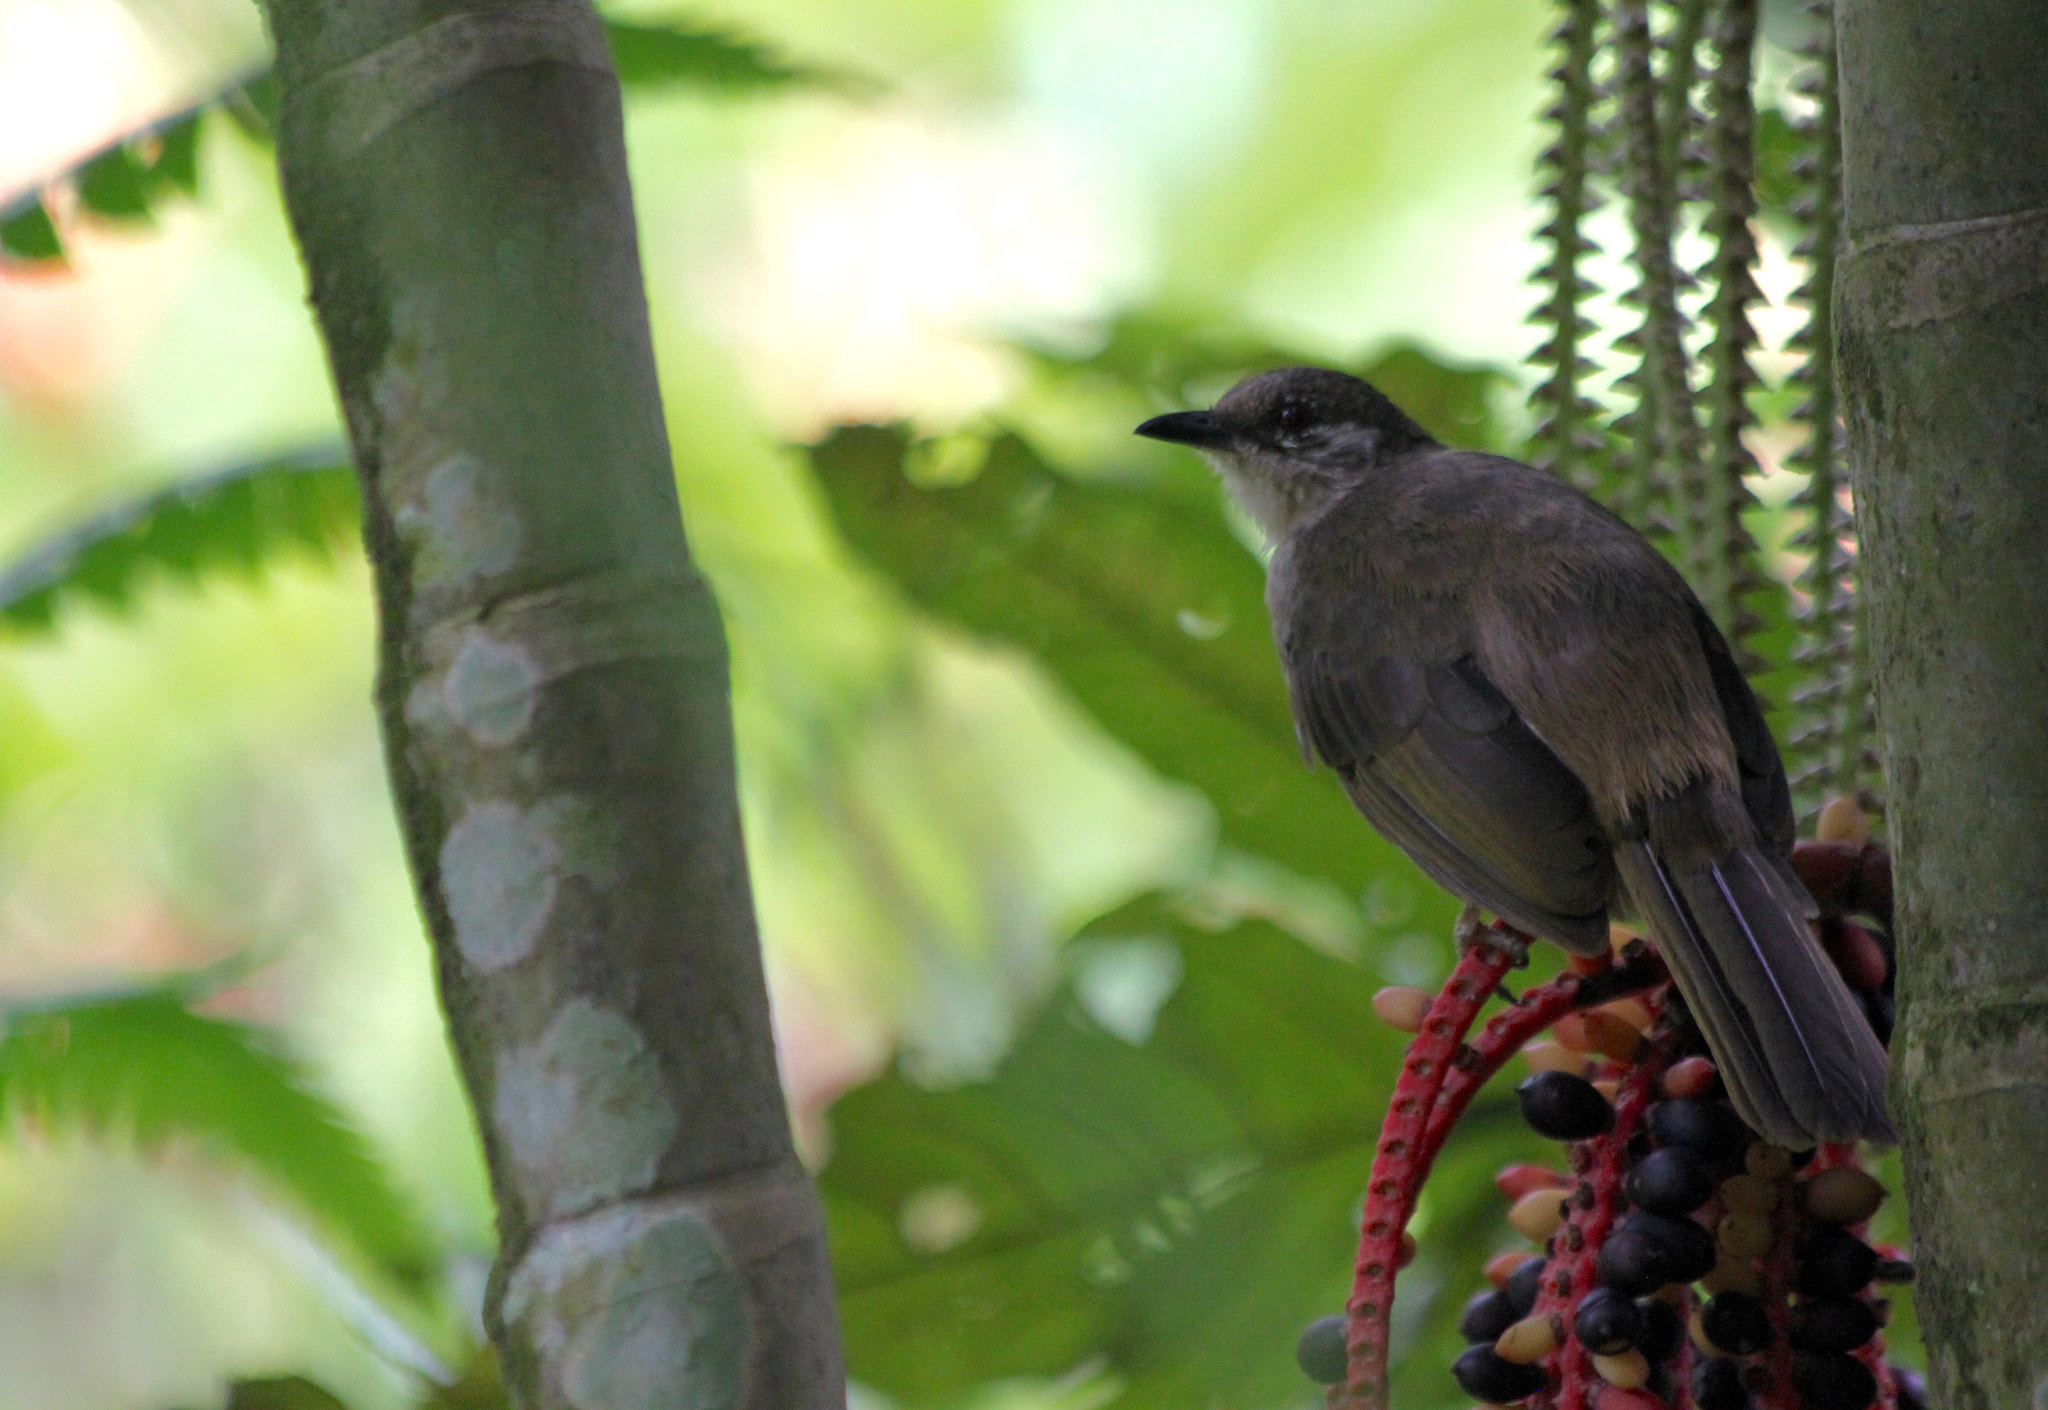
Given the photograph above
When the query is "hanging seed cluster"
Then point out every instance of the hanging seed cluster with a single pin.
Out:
(1652, 104)
(1674, 1259)
(1830, 747)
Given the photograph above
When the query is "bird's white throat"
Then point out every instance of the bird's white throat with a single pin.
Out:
(1277, 505)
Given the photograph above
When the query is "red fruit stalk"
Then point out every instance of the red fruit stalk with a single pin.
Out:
(1398, 1167)
(1443, 1072)
(1438, 1080)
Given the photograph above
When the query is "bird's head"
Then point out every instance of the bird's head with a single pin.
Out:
(1288, 442)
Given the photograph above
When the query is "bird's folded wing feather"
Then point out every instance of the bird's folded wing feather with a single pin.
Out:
(1438, 760)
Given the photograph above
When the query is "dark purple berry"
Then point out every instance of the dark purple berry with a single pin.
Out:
(1706, 1125)
(1687, 1250)
(1912, 1390)
(1487, 1315)
(1563, 1106)
(1832, 1380)
(1320, 1352)
(1484, 1376)
(1630, 1263)
(1830, 1262)
(1881, 1011)
(1673, 1181)
(1737, 1323)
(1607, 1322)
(1663, 1331)
(1832, 1324)
(1521, 1286)
(1717, 1385)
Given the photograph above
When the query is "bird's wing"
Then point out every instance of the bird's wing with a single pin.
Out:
(1766, 795)
(1438, 760)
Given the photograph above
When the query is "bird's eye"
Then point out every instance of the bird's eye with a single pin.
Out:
(1292, 416)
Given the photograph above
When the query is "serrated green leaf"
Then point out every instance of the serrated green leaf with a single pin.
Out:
(1181, 1207)
(1142, 602)
(650, 55)
(27, 233)
(140, 1066)
(125, 180)
(238, 519)
(176, 167)
(115, 185)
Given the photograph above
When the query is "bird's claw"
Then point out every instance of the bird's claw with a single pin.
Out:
(1471, 931)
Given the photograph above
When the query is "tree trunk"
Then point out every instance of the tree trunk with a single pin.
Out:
(1942, 302)
(553, 690)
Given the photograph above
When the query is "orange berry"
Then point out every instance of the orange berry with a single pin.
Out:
(1402, 1008)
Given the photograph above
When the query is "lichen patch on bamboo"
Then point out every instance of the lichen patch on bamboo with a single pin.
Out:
(489, 688)
(583, 1111)
(635, 1308)
(459, 526)
(500, 871)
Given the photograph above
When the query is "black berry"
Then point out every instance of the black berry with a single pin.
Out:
(1679, 1249)
(1320, 1352)
(1832, 1324)
(1487, 1315)
(1706, 1125)
(1630, 1263)
(1832, 1380)
(1563, 1106)
(1829, 1262)
(1881, 1010)
(1521, 1286)
(1717, 1385)
(1673, 1181)
(1607, 1322)
(1736, 1323)
(1484, 1376)
(1663, 1330)
(1912, 1390)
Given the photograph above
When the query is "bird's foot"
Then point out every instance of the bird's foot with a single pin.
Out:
(1472, 931)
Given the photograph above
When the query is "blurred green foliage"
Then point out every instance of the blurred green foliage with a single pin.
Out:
(129, 179)
(1163, 1174)
(280, 1393)
(141, 1066)
(27, 233)
(235, 520)
(651, 55)
(1139, 600)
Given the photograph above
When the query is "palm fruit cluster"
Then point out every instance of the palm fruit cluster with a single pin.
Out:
(1677, 1261)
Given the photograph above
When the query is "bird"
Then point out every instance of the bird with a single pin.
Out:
(1519, 691)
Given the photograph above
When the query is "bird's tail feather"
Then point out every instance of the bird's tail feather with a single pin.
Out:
(1801, 1063)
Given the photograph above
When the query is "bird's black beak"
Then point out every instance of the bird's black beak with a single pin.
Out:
(1189, 428)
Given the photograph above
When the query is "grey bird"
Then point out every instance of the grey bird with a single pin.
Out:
(1523, 695)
